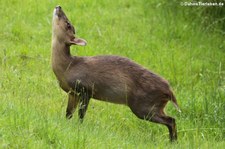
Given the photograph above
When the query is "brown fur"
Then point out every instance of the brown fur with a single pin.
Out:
(108, 78)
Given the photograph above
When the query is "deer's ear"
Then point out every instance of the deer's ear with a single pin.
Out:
(78, 41)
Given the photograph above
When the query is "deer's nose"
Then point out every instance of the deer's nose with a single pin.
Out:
(58, 7)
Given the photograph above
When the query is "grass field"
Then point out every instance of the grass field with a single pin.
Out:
(161, 36)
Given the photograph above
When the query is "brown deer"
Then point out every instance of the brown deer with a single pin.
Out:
(107, 78)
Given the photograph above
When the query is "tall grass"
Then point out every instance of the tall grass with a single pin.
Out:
(170, 42)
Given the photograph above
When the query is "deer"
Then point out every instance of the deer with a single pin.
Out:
(108, 78)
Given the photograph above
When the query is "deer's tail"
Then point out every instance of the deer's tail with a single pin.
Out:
(174, 101)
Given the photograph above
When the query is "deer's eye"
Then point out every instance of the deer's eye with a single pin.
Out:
(68, 25)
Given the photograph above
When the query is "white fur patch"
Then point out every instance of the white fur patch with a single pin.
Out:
(55, 17)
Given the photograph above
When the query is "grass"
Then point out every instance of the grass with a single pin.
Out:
(158, 35)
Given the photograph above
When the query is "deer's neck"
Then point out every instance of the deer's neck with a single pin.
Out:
(61, 57)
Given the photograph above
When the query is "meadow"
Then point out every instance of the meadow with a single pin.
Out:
(172, 40)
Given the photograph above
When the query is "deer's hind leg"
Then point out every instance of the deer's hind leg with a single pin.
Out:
(154, 113)
(169, 122)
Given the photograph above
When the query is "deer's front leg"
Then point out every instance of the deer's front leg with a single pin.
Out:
(72, 104)
(83, 105)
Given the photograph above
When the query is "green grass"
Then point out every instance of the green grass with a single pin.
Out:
(162, 37)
